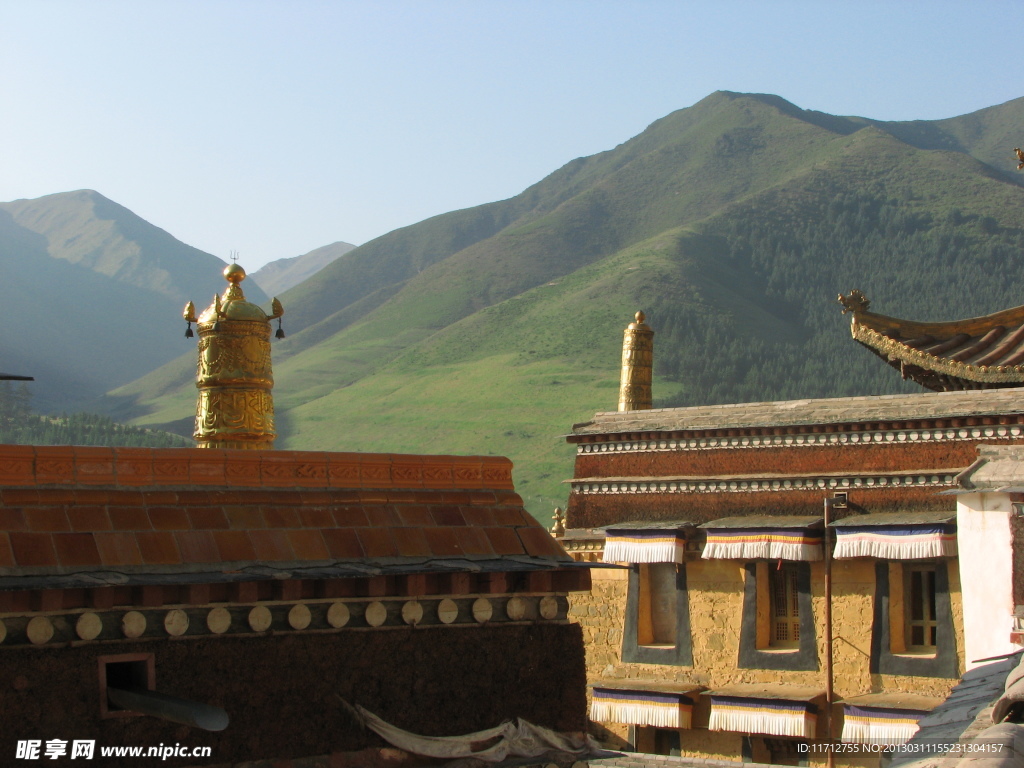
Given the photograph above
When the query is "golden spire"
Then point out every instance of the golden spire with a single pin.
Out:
(637, 365)
(235, 408)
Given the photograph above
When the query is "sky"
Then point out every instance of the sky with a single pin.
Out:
(273, 128)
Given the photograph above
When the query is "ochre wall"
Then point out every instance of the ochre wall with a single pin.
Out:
(715, 593)
(419, 679)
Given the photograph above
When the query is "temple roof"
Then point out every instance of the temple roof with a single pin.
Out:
(977, 353)
(786, 413)
(74, 516)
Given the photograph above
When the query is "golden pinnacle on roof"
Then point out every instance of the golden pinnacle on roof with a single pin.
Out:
(637, 366)
(855, 302)
(235, 408)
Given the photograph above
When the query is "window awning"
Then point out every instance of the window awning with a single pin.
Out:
(639, 706)
(873, 725)
(646, 542)
(884, 718)
(896, 536)
(764, 537)
(764, 714)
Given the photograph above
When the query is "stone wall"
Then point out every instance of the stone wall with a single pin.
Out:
(285, 694)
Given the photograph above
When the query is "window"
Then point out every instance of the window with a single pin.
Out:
(657, 626)
(777, 631)
(912, 629)
(785, 606)
(124, 671)
(657, 621)
(786, 751)
(921, 633)
(657, 741)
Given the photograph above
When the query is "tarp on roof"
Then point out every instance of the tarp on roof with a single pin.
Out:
(518, 739)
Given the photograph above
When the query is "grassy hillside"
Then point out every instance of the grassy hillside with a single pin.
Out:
(733, 224)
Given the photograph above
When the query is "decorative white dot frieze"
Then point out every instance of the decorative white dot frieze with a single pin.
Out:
(808, 439)
(632, 486)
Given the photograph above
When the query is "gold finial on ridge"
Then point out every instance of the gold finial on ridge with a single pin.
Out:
(637, 366)
(235, 407)
(855, 302)
(558, 529)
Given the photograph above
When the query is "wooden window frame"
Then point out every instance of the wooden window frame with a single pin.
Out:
(889, 652)
(784, 578)
(925, 600)
(756, 650)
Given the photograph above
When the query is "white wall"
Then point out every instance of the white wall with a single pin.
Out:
(986, 574)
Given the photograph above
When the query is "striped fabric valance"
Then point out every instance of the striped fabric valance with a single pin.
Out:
(666, 710)
(873, 725)
(634, 545)
(762, 543)
(772, 717)
(896, 542)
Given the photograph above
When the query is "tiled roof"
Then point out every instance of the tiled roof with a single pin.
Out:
(71, 510)
(907, 517)
(779, 691)
(766, 521)
(786, 413)
(998, 468)
(894, 700)
(979, 353)
(648, 525)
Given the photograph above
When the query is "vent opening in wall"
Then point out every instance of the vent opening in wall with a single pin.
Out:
(130, 671)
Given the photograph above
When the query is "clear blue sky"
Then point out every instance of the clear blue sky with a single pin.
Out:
(273, 128)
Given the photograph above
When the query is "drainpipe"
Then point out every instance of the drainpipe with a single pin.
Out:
(155, 704)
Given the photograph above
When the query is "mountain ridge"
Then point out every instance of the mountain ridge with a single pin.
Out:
(733, 223)
(281, 274)
(77, 266)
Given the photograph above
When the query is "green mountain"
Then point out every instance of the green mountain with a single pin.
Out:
(92, 295)
(733, 224)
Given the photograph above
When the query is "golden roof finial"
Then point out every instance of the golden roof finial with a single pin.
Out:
(235, 408)
(855, 302)
(637, 366)
(558, 529)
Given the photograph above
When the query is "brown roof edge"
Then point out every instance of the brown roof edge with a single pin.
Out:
(92, 466)
(835, 412)
(912, 328)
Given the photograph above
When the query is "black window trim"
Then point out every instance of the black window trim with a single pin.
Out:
(632, 652)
